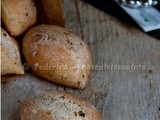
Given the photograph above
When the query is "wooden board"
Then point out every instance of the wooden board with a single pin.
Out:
(117, 94)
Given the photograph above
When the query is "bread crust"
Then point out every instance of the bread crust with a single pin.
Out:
(59, 106)
(57, 55)
(11, 61)
(18, 15)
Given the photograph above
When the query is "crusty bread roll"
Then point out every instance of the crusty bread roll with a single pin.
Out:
(56, 105)
(57, 55)
(11, 62)
(18, 15)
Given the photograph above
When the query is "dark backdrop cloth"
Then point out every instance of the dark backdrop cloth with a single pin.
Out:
(112, 8)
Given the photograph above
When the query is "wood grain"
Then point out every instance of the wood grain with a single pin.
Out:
(117, 94)
(50, 12)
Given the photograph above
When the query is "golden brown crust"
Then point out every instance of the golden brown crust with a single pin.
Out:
(59, 105)
(18, 15)
(11, 61)
(57, 55)
(90, 111)
(30, 111)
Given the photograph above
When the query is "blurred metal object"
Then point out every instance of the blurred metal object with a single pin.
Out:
(134, 3)
(155, 2)
(138, 3)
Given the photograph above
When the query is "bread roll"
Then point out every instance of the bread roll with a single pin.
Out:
(18, 15)
(11, 62)
(56, 105)
(57, 55)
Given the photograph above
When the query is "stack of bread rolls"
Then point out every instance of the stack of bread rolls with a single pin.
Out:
(52, 52)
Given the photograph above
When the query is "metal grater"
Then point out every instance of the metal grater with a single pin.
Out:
(139, 3)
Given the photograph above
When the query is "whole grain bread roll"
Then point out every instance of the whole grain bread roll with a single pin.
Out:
(57, 55)
(57, 105)
(11, 61)
(18, 15)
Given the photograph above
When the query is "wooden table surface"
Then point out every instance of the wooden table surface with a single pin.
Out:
(117, 94)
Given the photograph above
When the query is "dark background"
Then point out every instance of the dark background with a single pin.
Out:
(111, 7)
